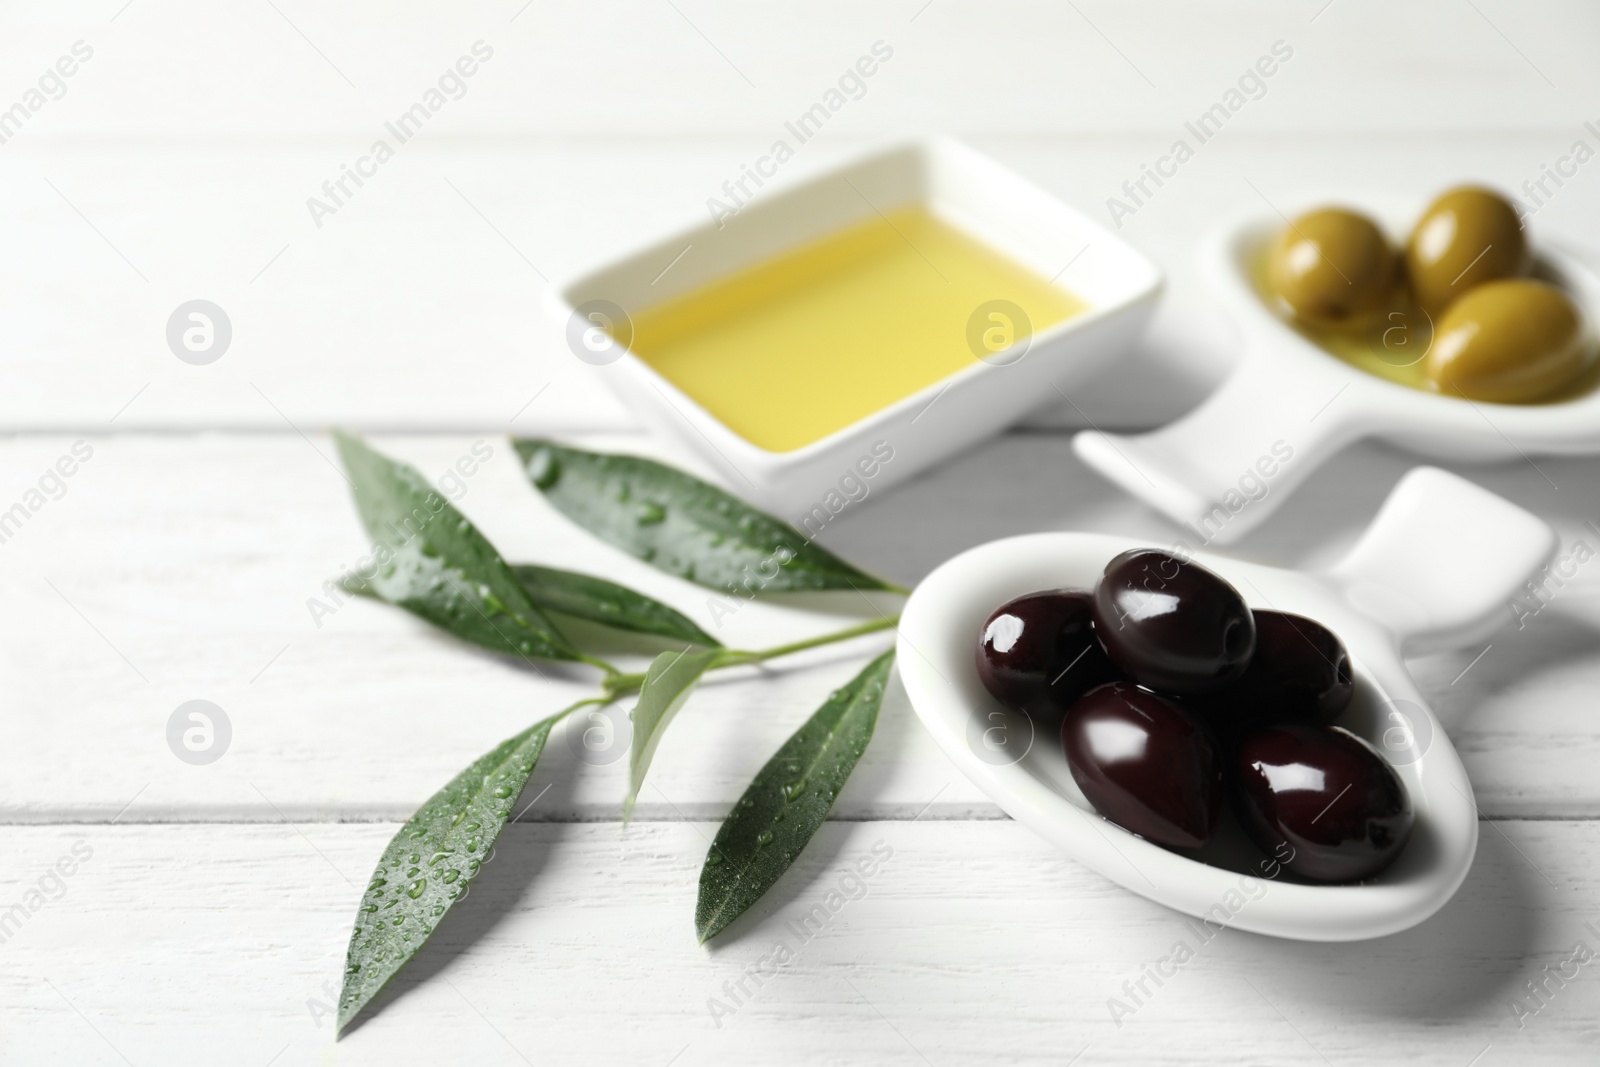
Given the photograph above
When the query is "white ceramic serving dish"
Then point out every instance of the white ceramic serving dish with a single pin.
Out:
(962, 187)
(1413, 583)
(1210, 468)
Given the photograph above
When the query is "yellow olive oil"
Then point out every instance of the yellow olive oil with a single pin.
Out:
(803, 344)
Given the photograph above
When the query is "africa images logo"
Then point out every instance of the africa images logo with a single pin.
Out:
(451, 85)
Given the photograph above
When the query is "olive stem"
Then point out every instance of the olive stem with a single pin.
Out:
(734, 657)
(595, 661)
(618, 684)
(585, 702)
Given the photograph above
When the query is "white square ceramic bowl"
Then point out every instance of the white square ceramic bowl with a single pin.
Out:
(959, 186)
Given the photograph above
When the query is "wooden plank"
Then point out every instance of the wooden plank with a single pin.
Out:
(180, 567)
(1020, 66)
(966, 942)
(420, 304)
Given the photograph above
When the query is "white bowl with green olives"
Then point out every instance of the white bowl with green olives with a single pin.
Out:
(1398, 591)
(1439, 327)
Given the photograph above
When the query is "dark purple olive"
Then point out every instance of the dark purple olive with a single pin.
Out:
(1300, 672)
(1321, 801)
(1038, 654)
(1145, 764)
(1299, 669)
(1172, 625)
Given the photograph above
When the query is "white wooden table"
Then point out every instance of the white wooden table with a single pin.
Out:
(207, 909)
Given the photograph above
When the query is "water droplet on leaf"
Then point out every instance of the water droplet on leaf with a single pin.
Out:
(544, 469)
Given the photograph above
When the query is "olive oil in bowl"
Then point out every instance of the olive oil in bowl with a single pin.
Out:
(808, 342)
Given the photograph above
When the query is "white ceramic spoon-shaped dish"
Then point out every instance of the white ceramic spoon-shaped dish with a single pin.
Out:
(1435, 570)
(1289, 405)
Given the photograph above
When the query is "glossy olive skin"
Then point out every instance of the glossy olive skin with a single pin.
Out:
(1509, 342)
(1320, 800)
(1037, 654)
(1467, 237)
(1300, 672)
(1172, 625)
(1145, 764)
(1332, 268)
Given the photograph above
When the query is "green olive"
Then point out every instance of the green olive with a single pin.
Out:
(1467, 236)
(1331, 268)
(1509, 342)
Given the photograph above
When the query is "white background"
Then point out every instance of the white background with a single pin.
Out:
(209, 925)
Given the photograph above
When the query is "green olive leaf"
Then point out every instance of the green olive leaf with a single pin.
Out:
(682, 525)
(583, 596)
(666, 687)
(788, 801)
(596, 600)
(427, 866)
(431, 561)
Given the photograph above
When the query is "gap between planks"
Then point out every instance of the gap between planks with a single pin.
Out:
(587, 819)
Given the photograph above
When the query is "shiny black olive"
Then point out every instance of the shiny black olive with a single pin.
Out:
(1300, 672)
(1038, 654)
(1321, 801)
(1171, 624)
(1145, 764)
(1300, 668)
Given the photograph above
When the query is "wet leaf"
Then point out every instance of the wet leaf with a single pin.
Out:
(616, 606)
(430, 862)
(431, 561)
(682, 525)
(788, 801)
